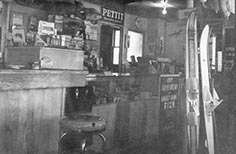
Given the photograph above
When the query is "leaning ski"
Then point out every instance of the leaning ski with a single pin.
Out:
(210, 97)
(192, 83)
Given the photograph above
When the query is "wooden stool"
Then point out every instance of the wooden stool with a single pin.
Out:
(86, 125)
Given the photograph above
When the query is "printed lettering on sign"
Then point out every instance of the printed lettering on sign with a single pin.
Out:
(170, 103)
(112, 15)
(169, 97)
(169, 87)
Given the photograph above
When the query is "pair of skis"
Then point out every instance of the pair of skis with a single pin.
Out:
(194, 87)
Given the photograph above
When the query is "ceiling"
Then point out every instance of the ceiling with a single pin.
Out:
(139, 8)
(178, 3)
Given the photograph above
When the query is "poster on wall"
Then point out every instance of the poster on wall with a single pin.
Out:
(18, 36)
(112, 15)
(169, 92)
(17, 20)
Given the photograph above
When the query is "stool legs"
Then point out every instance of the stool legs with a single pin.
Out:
(83, 146)
(60, 138)
(83, 143)
(104, 142)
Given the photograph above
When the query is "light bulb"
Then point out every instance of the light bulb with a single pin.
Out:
(164, 11)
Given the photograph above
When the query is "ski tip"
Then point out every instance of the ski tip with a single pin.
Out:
(204, 37)
(192, 13)
(206, 28)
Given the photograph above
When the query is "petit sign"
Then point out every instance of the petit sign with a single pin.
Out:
(112, 15)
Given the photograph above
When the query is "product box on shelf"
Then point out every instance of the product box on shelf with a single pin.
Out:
(58, 58)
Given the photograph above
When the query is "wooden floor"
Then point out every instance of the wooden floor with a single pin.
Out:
(146, 149)
(152, 149)
(226, 144)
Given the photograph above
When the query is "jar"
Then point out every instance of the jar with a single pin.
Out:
(35, 65)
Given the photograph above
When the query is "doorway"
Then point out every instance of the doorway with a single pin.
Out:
(110, 47)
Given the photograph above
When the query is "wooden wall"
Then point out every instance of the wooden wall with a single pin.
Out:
(155, 38)
(143, 121)
(31, 105)
(175, 41)
(29, 121)
(107, 112)
(226, 113)
(129, 124)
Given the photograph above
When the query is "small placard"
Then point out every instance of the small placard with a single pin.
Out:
(112, 15)
(18, 36)
(17, 20)
(46, 28)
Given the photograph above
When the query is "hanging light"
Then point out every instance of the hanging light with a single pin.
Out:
(164, 4)
(164, 11)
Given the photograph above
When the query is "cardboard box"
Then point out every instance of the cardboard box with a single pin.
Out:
(67, 59)
(46, 28)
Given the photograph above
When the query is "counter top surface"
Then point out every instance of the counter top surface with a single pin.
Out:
(21, 71)
(33, 79)
(99, 77)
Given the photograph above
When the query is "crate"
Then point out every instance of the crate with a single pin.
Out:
(58, 58)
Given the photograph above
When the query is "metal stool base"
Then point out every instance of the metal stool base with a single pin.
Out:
(83, 146)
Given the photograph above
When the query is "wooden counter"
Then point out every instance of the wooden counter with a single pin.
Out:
(31, 104)
(129, 123)
(148, 82)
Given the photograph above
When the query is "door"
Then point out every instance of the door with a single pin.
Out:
(106, 46)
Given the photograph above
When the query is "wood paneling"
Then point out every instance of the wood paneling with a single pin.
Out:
(152, 120)
(129, 124)
(149, 83)
(175, 41)
(144, 121)
(28, 79)
(29, 121)
(108, 112)
(31, 105)
(25, 56)
(137, 122)
(122, 124)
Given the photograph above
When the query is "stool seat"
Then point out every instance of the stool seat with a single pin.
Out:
(86, 125)
(83, 123)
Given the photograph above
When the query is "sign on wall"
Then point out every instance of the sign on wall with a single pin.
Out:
(112, 15)
(169, 93)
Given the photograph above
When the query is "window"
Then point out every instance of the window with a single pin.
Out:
(116, 47)
(110, 47)
(135, 45)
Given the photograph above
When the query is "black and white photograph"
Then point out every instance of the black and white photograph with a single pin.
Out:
(117, 77)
